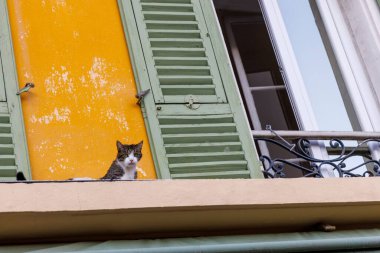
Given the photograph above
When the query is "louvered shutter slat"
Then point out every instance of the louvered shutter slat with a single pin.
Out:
(202, 147)
(211, 141)
(167, 1)
(6, 149)
(8, 172)
(205, 157)
(182, 61)
(160, 24)
(219, 175)
(8, 168)
(174, 34)
(197, 138)
(7, 160)
(167, 7)
(175, 70)
(174, 90)
(179, 63)
(189, 47)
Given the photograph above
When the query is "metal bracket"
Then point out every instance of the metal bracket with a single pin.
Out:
(291, 146)
(140, 96)
(192, 102)
(26, 88)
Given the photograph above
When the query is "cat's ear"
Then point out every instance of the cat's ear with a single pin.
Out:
(119, 145)
(139, 145)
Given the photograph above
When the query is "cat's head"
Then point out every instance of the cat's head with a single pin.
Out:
(127, 154)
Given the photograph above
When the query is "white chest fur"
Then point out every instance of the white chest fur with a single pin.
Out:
(129, 171)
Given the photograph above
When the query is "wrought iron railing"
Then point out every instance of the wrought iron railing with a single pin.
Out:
(298, 148)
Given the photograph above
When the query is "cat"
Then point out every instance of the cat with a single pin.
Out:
(124, 166)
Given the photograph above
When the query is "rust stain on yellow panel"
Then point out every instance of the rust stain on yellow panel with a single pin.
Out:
(75, 53)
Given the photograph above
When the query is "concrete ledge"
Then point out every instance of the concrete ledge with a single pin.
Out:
(137, 209)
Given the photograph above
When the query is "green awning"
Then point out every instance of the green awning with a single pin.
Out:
(288, 242)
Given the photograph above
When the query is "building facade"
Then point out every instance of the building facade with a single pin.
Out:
(237, 93)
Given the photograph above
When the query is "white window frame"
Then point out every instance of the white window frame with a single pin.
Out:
(353, 72)
(293, 78)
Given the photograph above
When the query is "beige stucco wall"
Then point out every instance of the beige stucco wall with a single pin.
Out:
(363, 21)
(110, 210)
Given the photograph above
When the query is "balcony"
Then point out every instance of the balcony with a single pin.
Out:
(318, 154)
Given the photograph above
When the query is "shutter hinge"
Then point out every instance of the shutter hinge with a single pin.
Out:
(140, 96)
(192, 102)
(26, 88)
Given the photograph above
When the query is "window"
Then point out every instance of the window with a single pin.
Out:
(12, 136)
(315, 91)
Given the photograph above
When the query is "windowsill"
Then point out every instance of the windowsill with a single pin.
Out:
(60, 211)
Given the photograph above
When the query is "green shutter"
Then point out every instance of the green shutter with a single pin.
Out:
(178, 51)
(13, 148)
(181, 58)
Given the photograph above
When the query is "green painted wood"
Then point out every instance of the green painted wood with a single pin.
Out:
(7, 149)
(205, 157)
(5, 128)
(7, 160)
(180, 100)
(183, 39)
(200, 90)
(198, 138)
(196, 119)
(16, 123)
(166, 15)
(145, 46)
(6, 138)
(205, 175)
(180, 44)
(10, 178)
(8, 171)
(167, 24)
(200, 167)
(181, 110)
(220, 89)
(231, 88)
(3, 109)
(199, 128)
(173, 53)
(161, 33)
(167, 1)
(4, 118)
(2, 84)
(167, 6)
(203, 147)
(364, 240)
(185, 80)
(183, 70)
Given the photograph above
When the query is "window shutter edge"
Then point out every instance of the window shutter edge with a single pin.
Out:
(11, 86)
(232, 90)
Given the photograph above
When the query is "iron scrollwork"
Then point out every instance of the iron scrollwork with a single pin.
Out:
(314, 167)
